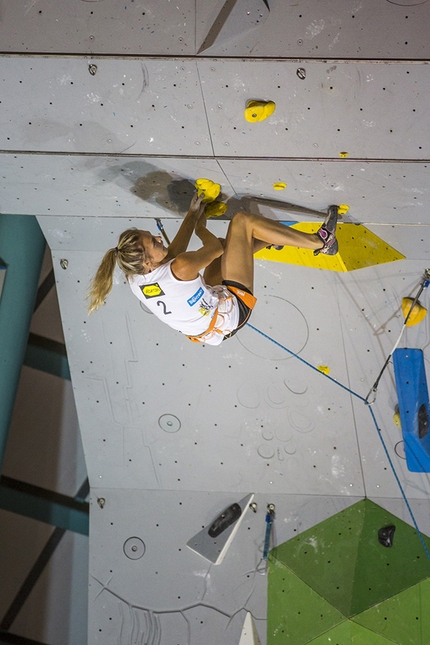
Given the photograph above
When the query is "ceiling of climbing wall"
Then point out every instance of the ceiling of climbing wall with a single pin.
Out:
(108, 115)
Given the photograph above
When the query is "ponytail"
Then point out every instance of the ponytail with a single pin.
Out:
(102, 284)
(129, 254)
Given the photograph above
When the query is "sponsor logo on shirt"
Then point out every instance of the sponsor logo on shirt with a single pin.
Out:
(205, 308)
(151, 290)
(196, 297)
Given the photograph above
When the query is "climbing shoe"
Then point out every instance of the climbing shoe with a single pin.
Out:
(327, 233)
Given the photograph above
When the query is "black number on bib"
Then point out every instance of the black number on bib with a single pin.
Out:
(163, 304)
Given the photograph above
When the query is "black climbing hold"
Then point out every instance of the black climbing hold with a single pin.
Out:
(423, 421)
(386, 535)
(223, 521)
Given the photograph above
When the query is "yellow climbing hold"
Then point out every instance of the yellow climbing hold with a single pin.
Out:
(215, 209)
(343, 154)
(418, 312)
(279, 185)
(209, 189)
(324, 369)
(259, 110)
(396, 419)
(342, 209)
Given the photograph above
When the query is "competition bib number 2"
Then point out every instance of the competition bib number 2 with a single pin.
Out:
(163, 304)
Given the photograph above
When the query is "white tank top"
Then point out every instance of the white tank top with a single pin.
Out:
(185, 305)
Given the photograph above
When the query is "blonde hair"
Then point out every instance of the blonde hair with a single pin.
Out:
(129, 255)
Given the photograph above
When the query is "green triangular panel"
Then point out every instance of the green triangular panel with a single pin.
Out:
(401, 618)
(349, 633)
(384, 572)
(325, 556)
(296, 614)
(343, 561)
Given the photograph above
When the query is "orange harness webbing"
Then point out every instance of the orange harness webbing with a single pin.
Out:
(196, 339)
(247, 298)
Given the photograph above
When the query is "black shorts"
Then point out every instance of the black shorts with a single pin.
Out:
(244, 310)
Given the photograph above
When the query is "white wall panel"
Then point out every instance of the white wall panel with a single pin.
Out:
(92, 186)
(150, 106)
(231, 402)
(340, 29)
(370, 306)
(249, 414)
(172, 595)
(377, 192)
(338, 107)
(108, 27)
(112, 390)
(180, 600)
(156, 107)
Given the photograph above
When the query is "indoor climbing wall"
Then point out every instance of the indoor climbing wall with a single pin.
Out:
(129, 106)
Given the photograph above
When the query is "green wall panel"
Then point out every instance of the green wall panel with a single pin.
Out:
(350, 633)
(342, 560)
(383, 572)
(325, 557)
(338, 570)
(308, 613)
(401, 618)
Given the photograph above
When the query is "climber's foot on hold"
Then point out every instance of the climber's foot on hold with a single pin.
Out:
(327, 233)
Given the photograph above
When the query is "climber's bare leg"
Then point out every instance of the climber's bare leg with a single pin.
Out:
(247, 232)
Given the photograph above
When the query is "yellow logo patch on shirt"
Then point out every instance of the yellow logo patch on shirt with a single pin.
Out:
(151, 290)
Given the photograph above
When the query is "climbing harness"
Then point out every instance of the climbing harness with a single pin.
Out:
(247, 298)
(201, 338)
(225, 306)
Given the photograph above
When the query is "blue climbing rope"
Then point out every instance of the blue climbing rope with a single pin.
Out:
(305, 362)
(275, 342)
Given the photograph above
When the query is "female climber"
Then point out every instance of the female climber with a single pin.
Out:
(209, 308)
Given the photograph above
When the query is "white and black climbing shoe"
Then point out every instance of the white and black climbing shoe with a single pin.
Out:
(327, 233)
